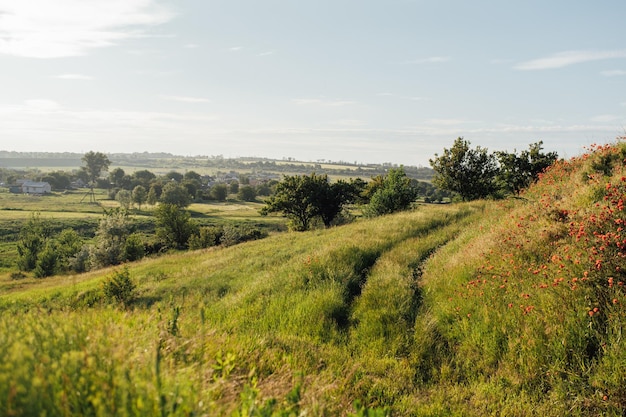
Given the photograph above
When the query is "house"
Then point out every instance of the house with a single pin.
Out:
(31, 187)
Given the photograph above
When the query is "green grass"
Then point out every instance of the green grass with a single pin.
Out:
(73, 210)
(281, 307)
(489, 308)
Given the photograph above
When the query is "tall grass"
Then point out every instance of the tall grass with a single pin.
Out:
(489, 308)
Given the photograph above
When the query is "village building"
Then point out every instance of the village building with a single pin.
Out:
(32, 187)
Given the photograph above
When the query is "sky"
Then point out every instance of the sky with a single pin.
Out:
(366, 81)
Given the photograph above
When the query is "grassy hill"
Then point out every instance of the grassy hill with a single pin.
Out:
(489, 308)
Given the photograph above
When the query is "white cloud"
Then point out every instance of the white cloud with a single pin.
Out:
(605, 118)
(41, 104)
(186, 99)
(191, 46)
(613, 73)
(563, 59)
(323, 102)
(62, 28)
(266, 53)
(235, 48)
(73, 77)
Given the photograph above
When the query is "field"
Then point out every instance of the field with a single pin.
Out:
(72, 209)
(513, 307)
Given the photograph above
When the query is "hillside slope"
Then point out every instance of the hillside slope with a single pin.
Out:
(526, 312)
(488, 308)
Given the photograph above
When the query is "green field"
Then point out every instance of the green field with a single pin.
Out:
(72, 209)
(490, 308)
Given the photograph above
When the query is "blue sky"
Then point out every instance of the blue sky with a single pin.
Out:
(353, 80)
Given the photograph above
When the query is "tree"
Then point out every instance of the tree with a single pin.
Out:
(219, 192)
(174, 193)
(394, 192)
(33, 238)
(95, 163)
(173, 175)
(139, 195)
(116, 177)
(109, 248)
(174, 225)
(469, 172)
(124, 197)
(302, 198)
(519, 171)
(69, 243)
(48, 261)
(152, 197)
(192, 175)
(246, 193)
(143, 177)
(332, 198)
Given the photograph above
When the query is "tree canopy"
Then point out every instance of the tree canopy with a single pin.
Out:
(475, 173)
(390, 193)
(95, 163)
(469, 172)
(519, 171)
(304, 197)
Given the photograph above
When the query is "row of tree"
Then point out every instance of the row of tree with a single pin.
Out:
(475, 173)
(307, 198)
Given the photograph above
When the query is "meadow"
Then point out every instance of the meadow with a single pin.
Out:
(72, 209)
(511, 307)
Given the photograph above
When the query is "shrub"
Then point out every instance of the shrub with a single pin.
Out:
(120, 287)
(134, 248)
(206, 237)
(47, 262)
(234, 235)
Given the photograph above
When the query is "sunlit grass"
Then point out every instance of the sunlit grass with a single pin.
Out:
(489, 308)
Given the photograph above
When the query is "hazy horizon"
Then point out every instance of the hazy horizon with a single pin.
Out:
(358, 81)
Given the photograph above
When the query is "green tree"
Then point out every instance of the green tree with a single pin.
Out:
(394, 192)
(143, 177)
(58, 180)
(124, 197)
(471, 173)
(519, 171)
(246, 193)
(192, 175)
(174, 193)
(69, 243)
(304, 197)
(47, 261)
(95, 163)
(139, 195)
(176, 176)
(134, 249)
(116, 176)
(219, 192)
(174, 225)
(110, 239)
(33, 237)
(152, 197)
